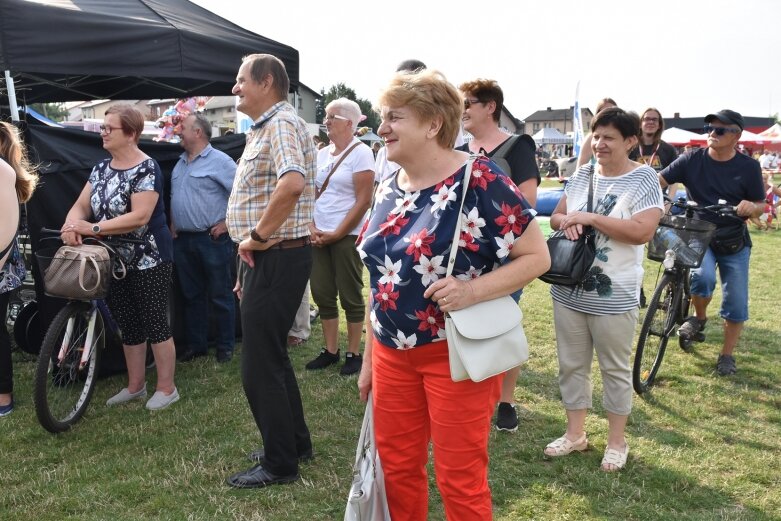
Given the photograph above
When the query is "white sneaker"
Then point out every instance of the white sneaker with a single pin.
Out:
(160, 400)
(125, 396)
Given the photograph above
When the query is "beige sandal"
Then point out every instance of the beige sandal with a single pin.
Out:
(563, 446)
(615, 458)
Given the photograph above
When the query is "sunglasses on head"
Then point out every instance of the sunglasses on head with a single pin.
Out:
(720, 131)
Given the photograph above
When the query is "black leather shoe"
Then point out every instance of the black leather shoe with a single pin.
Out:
(190, 355)
(259, 455)
(257, 477)
(224, 357)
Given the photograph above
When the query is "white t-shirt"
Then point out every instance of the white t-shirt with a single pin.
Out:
(613, 282)
(339, 197)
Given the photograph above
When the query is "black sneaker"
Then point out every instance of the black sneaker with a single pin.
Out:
(352, 364)
(506, 417)
(692, 329)
(726, 365)
(323, 360)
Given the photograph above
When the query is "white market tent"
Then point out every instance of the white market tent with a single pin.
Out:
(773, 133)
(551, 136)
(679, 137)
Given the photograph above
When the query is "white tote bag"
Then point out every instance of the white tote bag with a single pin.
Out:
(367, 500)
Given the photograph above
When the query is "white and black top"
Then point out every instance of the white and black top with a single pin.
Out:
(613, 282)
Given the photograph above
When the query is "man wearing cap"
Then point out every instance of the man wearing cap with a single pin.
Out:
(710, 174)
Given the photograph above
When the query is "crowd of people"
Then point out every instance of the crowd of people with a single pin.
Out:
(301, 214)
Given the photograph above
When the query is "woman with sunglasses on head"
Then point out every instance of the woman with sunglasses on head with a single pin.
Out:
(515, 155)
(123, 196)
(405, 245)
(17, 182)
(345, 178)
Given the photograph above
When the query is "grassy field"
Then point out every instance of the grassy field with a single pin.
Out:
(702, 447)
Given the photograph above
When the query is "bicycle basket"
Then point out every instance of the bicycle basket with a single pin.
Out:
(75, 272)
(688, 238)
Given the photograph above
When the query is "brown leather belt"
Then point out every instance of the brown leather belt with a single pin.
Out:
(292, 243)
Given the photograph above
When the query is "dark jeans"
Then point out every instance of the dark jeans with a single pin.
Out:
(272, 292)
(203, 267)
(6, 369)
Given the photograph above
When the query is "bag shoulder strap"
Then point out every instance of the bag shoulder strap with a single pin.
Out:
(454, 245)
(590, 186)
(506, 147)
(336, 165)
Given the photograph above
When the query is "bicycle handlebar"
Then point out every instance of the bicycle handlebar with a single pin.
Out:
(50, 233)
(719, 209)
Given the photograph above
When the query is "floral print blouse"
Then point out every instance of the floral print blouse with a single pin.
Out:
(405, 245)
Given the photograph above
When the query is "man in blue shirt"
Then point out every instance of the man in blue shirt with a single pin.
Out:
(203, 251)
(710, 174)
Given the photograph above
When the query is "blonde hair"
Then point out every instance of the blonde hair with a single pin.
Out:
(430, 96)
(15, 155)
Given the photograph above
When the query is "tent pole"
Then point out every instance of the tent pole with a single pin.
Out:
(9, 85)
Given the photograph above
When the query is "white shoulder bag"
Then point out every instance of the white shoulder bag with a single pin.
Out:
(487, 338)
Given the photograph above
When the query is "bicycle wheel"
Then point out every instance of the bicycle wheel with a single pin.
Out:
(686, 299)
(63, 389)
(657, 327)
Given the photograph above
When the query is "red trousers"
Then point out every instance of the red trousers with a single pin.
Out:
(415, 402)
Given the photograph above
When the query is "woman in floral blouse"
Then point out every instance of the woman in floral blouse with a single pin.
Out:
(123, 196)
(404, 245)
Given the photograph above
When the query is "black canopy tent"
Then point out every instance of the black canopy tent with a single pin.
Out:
(75, 50)
(60, 50)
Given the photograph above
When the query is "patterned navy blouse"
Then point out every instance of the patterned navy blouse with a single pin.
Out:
(405, 245)
(110, 197)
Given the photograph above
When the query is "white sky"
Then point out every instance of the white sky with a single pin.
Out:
(687, 56)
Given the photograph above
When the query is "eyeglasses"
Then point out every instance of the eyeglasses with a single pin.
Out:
(105, 129)
(651, 120)
(720, 131)
(332, 117)
(469, 102)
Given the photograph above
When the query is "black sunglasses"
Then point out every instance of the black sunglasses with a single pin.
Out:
(720, 131)
(469, 102)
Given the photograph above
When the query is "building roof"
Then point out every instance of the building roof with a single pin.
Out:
(753, 123)
(314, 93)
(550, 114)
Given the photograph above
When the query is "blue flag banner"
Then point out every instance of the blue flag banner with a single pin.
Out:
(577, 124)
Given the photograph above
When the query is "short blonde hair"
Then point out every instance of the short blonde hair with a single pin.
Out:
(430, 96)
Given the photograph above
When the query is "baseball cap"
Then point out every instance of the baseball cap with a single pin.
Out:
(730, 117)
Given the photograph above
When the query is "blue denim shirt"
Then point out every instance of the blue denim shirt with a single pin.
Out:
(200, 189)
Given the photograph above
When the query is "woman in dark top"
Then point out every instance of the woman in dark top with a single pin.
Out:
(124, 197)
(483, 101)
(17, 182)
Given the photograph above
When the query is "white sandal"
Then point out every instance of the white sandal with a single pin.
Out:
(615, 458)
(563, 446)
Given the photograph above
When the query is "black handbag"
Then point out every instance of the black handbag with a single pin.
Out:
(571, 260)
(730, 239)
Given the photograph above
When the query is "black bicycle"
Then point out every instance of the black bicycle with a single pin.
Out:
(680, 243)
(71, 349)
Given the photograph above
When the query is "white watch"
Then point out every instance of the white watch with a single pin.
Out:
(96, 229)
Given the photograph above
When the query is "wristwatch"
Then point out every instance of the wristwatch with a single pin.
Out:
(96, 229)
(256, 237)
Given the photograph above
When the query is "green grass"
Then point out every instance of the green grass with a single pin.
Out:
(702, 447)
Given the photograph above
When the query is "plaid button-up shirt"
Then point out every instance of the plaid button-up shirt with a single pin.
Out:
(279, 142)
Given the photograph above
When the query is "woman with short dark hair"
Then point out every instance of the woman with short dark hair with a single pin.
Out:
(601, 313)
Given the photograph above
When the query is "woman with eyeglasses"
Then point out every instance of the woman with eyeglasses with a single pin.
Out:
(345, 178)
(651, 149)
(123, 196)
(405, 245)
(515, 155)
(601, 313)
(17, 182)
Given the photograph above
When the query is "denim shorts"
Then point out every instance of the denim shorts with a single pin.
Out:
(733, 272)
